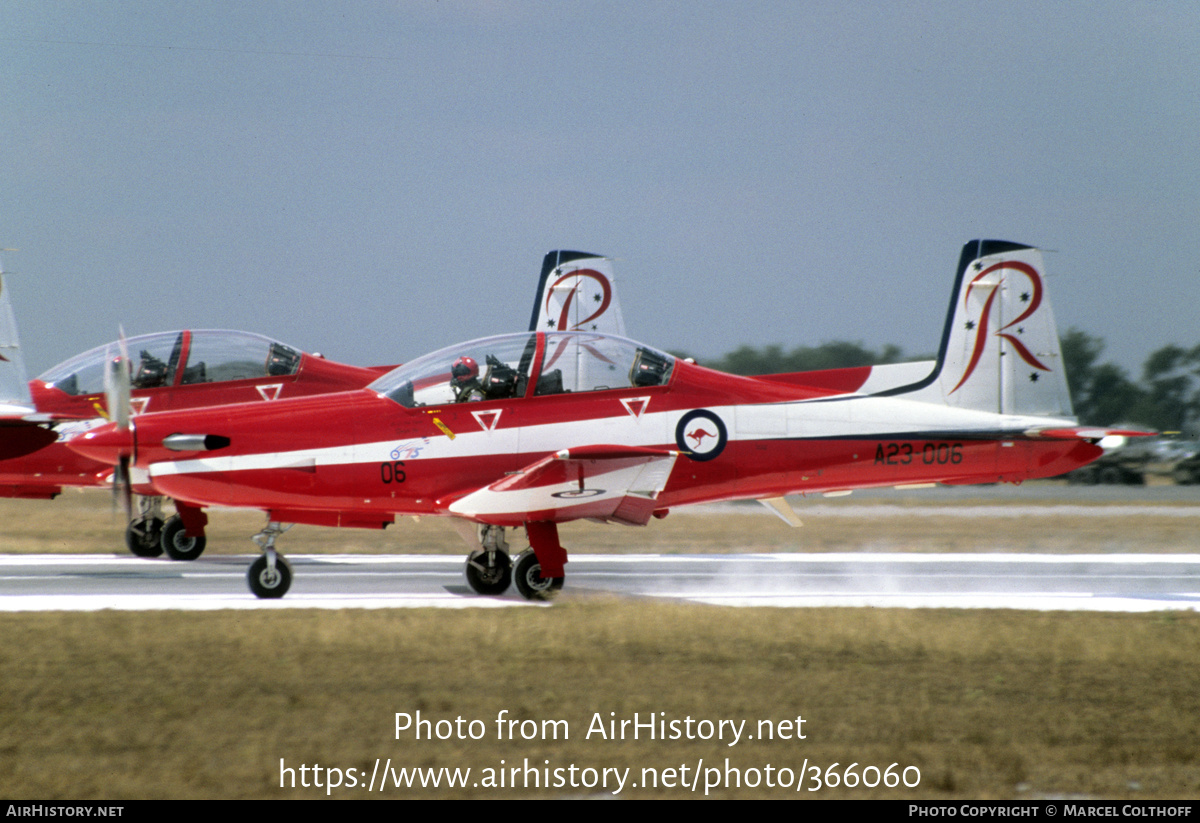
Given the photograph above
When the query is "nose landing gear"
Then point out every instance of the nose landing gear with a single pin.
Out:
(143, 536)
(270, 576)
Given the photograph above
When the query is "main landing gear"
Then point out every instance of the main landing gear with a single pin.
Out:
(529, 580)
(143, 535)
(149, 534)
(490, 568)
(176, 542)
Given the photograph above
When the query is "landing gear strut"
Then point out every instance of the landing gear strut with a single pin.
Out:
(539, 573)
(489, 568)
(143, 534)
(270, 575)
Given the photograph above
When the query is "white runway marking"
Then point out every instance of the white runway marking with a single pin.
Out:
(214, 602)
(1046, 601)
(1022, 512)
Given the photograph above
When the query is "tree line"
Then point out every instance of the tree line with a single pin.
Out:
(1164, 397)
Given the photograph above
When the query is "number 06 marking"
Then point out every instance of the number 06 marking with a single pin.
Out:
(392, 472)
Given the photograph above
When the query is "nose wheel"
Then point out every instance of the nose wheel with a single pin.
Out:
(270, 576)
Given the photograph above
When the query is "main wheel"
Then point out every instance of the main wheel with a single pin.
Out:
(144, 537)
(177, 544)
(266, 583)
(529, 580)
(485, 579)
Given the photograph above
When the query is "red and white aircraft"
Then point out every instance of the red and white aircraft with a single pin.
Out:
(191, 369)
(174, 370)
(558, 426)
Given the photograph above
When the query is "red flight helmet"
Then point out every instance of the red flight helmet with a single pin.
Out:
(464, 369)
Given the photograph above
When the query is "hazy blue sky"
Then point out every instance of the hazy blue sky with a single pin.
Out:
(375, 180)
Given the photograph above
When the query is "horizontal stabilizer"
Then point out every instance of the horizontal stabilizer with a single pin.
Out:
(1086, 433)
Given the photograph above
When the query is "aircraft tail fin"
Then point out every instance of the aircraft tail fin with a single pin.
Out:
(576, 293)
(1000, 349)
(14, 384)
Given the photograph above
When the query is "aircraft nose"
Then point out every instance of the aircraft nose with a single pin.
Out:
(108, 443)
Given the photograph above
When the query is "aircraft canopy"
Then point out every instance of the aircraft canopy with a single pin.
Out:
(555, 362)
(178, 358)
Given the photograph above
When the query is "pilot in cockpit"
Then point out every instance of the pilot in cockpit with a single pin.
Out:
(464, 380)
(498, 382)
(151, 372)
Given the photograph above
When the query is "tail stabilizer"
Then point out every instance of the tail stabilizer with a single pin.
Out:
(14, 384)
(1000, 349)
(576, 293)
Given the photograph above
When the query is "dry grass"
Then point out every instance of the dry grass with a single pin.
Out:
(985, 704)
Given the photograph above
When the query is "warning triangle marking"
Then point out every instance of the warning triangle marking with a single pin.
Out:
(635, 405)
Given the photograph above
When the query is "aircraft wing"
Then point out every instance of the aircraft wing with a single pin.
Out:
(611, 483)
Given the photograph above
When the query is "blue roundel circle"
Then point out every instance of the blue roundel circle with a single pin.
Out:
(701, 435)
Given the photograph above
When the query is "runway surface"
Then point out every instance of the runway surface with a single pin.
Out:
(1096, 582)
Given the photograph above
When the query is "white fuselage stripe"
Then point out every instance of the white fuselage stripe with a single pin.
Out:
(849, 416)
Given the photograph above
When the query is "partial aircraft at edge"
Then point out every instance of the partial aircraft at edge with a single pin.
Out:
(191, 369)
(568, 425)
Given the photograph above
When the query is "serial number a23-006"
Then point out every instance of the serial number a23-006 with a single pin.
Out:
(931, 454)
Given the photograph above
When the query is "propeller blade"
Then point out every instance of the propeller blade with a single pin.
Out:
(117, 396)
(117, 388)
(123, 487)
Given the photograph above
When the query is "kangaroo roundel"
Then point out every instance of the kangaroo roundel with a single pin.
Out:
(701, 435)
